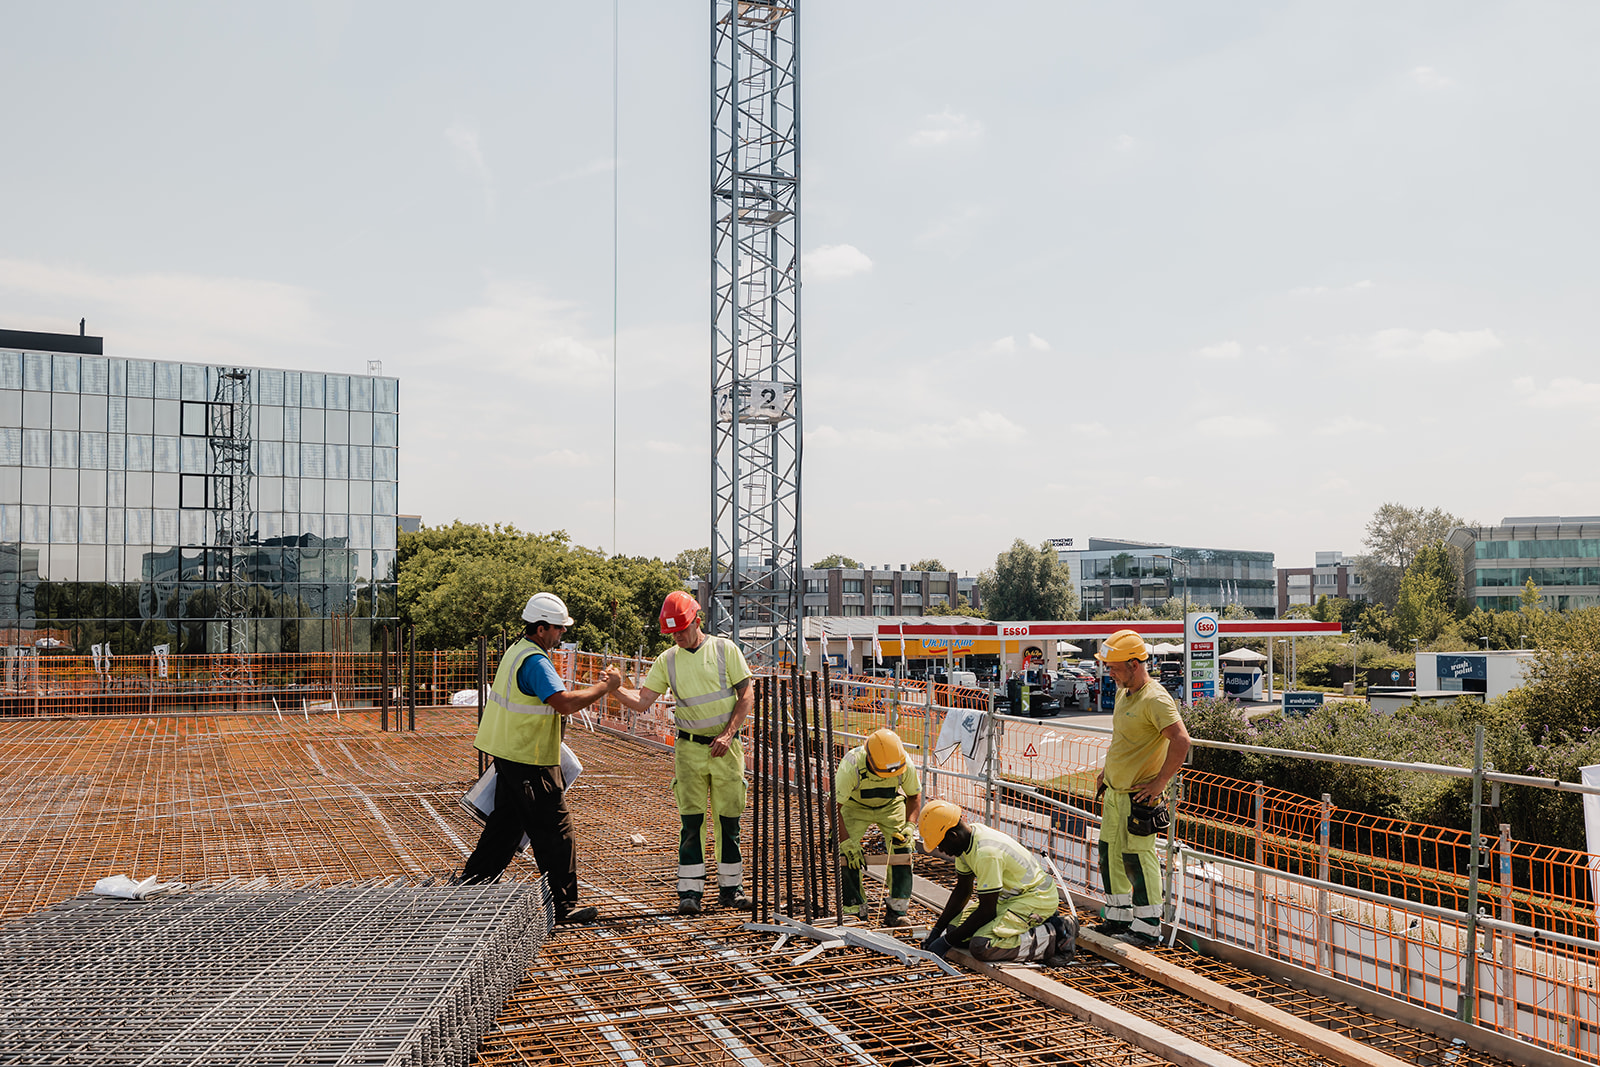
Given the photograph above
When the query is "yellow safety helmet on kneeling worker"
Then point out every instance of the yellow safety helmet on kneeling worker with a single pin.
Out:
(937, 819)
(886, 756)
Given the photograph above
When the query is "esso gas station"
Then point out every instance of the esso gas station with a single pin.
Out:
(1019, 644)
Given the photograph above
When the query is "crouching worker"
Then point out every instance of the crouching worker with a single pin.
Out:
(1015, 917)
(877, 786)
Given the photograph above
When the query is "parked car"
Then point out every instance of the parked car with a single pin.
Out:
(1073, 686)
(961, 678)
(1171, 677)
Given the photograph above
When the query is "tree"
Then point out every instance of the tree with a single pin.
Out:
(962, 608)
(827, 563)
(1425, 607)
(1027, 583)
(1532, 598)
(932, 563)
(692, 563)
(1395, 534)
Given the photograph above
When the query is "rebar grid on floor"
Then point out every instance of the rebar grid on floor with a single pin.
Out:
(209, 799)
(353, 974)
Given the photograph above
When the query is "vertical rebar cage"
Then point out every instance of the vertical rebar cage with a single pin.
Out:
(755, 328)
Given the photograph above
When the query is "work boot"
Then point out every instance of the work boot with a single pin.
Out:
(733, 897)
(688, 904)
(894, 918)
(1138, 940)
(577, 916)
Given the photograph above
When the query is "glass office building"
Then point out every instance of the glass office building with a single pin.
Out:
(1116, 575)
(206, 508)
(1559, 554)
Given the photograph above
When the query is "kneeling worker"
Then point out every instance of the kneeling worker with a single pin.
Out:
(877, 786)
(1015, 918)
(710, 680)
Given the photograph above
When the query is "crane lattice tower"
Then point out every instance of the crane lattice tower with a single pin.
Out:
(755, 328)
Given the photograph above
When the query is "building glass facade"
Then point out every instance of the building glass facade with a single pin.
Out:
(206, 508)
(1561, 552)
(1115, 575)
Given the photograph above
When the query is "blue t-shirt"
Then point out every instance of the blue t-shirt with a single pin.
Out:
(537, 677)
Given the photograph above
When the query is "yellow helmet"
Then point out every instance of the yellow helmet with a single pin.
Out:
(936, 820)
(885, 754)
(1123, 646)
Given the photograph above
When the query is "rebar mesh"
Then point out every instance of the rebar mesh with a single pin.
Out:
(382, 973)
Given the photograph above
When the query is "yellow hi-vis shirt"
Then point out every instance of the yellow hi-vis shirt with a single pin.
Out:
(701, 682)
(999, 864)
(855, 783)
(517, 726)
(1137, 748)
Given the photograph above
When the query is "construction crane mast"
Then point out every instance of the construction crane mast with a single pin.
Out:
(228, 497)
(755, 328)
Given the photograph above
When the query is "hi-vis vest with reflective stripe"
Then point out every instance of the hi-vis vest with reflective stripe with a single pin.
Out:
(516, 726)
(704, 713)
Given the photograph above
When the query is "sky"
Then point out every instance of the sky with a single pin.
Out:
(1227, 275)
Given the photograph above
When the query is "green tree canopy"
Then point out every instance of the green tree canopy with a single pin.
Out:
(459, 581)
(932, 563)
(827, 563)
(1425, 608)
(692, 563)
(1395, 534)
(1027, 583)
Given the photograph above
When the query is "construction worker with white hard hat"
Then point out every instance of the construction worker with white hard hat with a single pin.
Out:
(1015, 916)
(1148, 745)
(876, 785)
(710, 680)
(521, 728)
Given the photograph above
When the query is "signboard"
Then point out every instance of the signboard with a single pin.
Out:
(1301, 703)
(1460, 667)
(1200, 653)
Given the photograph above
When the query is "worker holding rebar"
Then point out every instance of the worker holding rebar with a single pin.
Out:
(521, 728)
(1148, 745)
(709, 679)
(1015, 916)
(876, 785)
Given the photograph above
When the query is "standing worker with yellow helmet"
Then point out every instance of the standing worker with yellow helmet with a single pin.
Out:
(709, 679)
(876, 785)
(1148, 744)
(1015, 917)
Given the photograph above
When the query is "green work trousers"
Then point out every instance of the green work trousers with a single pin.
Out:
(891, 819)
(695, 775)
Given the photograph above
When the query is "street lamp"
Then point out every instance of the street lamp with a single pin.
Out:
(1520, 639)
(1486, 642)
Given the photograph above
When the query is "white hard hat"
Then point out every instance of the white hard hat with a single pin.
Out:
(546, 607)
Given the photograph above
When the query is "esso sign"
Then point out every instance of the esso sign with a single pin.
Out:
(1014, 630)
(1205, 626)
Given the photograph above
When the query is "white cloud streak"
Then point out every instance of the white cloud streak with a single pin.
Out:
(1560, 394)
(831, 262)
(463, 141)
(1436, 346)
(1221, 350)
(986, 427)
(945, 128)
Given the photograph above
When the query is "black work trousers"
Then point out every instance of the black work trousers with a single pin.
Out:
(528, 800)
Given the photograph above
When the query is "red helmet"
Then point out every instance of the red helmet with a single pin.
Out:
(678, 612)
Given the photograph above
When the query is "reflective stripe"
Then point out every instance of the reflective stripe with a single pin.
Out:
(520, 709)
(706, 698)
(730, 875)
(691, 877)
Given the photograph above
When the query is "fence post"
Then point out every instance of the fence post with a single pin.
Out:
(1258, 857)
(1324, 920)
(988, 764)
(483, 690)
(1467, 1009)
(1508, 942)
(411, 679)
(383, 682)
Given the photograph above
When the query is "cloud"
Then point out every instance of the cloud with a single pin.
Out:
(1437, 346)
(986, 427)
(565, 457)
(1221, 350)
(1561, 393)
(1236, 427)
(834, 261)
(1090, 429)
(469, 154)
(516, 329)
(947, 127)
(952, 224)
(1329, 290)
(1037, 343)
(1346, 425)
(1123, 143)
(165, 316)
(1430, 79)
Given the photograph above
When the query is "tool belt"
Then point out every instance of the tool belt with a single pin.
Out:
(699, 739)
(1147, 819)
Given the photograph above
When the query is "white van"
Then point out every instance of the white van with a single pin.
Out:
(966, 678)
